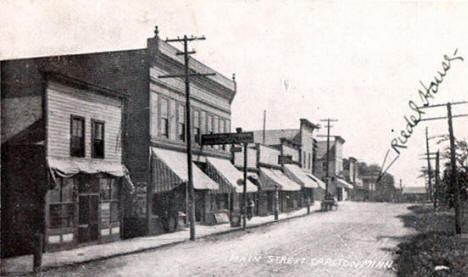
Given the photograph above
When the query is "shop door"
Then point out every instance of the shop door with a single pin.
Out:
(88, 228)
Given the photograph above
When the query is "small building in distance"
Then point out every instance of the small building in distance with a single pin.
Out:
(414, 194)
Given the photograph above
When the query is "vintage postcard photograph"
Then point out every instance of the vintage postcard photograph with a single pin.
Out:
(233, 138)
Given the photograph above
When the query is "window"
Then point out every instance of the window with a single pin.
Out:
(62, 206)
(196, 127)
(215, 127)
(110, 196)
(222, 129)
(309, 161)
(180, 123)
(97, 136)
(164, 118)
(77, 145)
(304, 161)
(209, 125)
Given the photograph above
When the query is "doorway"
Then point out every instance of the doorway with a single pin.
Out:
(88, 219)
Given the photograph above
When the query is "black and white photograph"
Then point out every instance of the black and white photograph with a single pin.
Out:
(233, 138)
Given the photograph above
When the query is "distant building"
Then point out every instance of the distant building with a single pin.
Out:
(337, 185)
(352, 175)
(414, 194)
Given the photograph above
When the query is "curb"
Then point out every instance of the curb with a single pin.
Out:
(169, 244)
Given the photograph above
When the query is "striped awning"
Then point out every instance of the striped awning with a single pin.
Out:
(227, 175)
(273, 178)
(342, 183)
(297, 174)
(319, 182)
(169, 170)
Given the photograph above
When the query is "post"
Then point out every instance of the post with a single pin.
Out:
(328, 158)
(453, 176)
(37, 258)
(437, 185)
(276, 199)
(244, 194)
(189, 142)
(264, 125)
(429, 173)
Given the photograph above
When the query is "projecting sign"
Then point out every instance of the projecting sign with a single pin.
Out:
(227, 138)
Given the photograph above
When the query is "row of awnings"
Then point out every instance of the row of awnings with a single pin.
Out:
(170, 171)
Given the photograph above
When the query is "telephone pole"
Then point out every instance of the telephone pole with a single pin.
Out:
(458, 204)
(327, 174)
(437, 184)
(186, 75)
(429, 173)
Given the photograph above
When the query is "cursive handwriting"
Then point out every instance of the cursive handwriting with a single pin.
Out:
(425, 94)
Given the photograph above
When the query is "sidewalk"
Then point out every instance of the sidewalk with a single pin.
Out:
(23, 264)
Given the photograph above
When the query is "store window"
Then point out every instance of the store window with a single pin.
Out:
(62, 203)
(77, 143)
(110, 200)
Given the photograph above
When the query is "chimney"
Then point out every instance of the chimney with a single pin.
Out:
(152, 44)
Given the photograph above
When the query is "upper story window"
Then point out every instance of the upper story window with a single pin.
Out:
(77, 141)
(209, 125)
(196, 126)
(97, 136)
(309, 161)
(164, 118)
(304, 161)
(222, 129)
(180, 123)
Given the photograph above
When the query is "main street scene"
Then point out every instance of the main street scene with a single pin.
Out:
(235, 138)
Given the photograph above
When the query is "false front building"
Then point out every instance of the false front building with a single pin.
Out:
(61, 158)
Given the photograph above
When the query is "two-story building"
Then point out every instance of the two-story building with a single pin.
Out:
(80, 144)
(337, 185)
(62, 170)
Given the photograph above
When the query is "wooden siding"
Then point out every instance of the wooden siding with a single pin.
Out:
(268, 155)
(62, 102)
(288, 150)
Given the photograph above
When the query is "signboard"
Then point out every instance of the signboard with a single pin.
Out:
(227, 138)
(221, 217)
(285, 159)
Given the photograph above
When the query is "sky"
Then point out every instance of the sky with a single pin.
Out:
(356, 61)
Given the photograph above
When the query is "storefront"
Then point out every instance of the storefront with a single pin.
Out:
(343, 189)
(286, 188)
(300, 176)
(228, 177)
(169, 180)
(84, 202)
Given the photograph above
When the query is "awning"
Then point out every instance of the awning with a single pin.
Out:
(170, 170)
(226, 173)
(342, 183)
(319, 182)
(274, 177)
(297, 174)
(69, 167)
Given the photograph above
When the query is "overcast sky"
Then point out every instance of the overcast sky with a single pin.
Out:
(358, 62)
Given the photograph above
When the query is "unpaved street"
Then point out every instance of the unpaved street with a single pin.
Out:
(356, 240)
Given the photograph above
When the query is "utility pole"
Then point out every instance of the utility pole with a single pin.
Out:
(458, 204)
(186, 75)
(264, 125)
(453, 176)
(429, 167)
(437, 184)
(327, 174)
